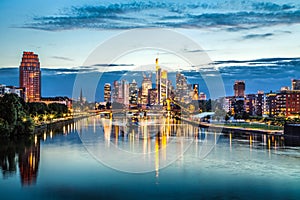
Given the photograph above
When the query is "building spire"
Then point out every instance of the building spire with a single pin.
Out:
(156, 62)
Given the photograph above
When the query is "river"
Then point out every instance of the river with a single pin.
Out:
(159, 158)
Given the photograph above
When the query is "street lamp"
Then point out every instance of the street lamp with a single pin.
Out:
(51, 117)
(45, 117)
(36, 119)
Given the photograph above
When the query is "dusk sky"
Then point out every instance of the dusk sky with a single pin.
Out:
(64, 33)
(256, 41)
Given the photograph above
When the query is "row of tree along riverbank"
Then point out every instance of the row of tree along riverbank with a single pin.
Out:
(18, 118)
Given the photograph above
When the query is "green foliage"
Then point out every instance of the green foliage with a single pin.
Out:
(58, 108)
(14, 119)
(220, 114)
(37, 108)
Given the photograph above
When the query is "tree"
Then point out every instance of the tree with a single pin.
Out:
(58, 108)
(220, 114)
(37, 108)
(14, 119)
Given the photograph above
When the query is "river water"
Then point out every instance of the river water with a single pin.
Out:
(158, 158)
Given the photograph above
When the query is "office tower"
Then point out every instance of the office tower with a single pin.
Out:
(115, 95)
(195, 92)
(152, 96)
(295, 84)
(171, 90)
(163, 87)
(30, 76)
(133, 93)
(146, 85)
(158, 80)
(125, 92)
(107, 92)
(182, 92)
(121, 92)
(239, 89)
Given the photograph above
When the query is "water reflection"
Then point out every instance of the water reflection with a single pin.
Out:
(22, 154)
(154, 143)
(151, 142)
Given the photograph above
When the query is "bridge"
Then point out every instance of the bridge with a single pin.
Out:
(203, 115)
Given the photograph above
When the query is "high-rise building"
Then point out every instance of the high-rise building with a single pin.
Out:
(182, 88)
(133, 93)
(125, 91)
(163, 86)
(152, 96)
(121, 92)
(295, 84)
(30, 76)
(146, 85)
(107, 92)
(239, 89)
(195, 92)
(115, 95)
(158, 80)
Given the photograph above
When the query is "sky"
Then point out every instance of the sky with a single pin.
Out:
(240, 37)
(65, 32)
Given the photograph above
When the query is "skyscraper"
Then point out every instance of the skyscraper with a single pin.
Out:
(121, 92)
(133, 93)
(107, 92)
(182, 89)
(195, 92)
(239, 89)
(146, 85)
(163, 86)
(158, 81)
(30, 76)
(152, 96)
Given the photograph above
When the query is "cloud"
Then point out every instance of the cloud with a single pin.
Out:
(266, 62)
(169, 14)
(62, 58)
(196, 50)
(112, 65)
(258, 36)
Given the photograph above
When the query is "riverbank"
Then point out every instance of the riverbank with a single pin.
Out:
(60, 122)
(230, 129)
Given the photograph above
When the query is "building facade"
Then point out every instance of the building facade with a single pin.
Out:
(12, 90)
(133, 93)
(146, 85)
(30, 76)
(107, 92)
(239, 88)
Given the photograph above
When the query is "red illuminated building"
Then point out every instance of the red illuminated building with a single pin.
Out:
(30, 76)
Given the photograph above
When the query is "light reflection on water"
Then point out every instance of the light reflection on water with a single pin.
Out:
(56, 164)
